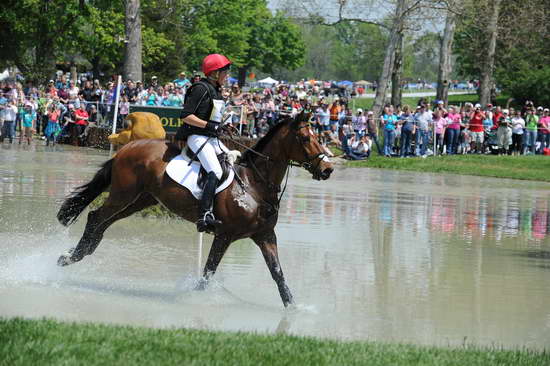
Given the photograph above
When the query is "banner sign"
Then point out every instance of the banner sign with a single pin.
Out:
(169, 116)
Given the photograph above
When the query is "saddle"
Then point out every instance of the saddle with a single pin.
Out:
(224, 163)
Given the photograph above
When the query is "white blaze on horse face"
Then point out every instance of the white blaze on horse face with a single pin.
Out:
(326, 159)
(311, 131)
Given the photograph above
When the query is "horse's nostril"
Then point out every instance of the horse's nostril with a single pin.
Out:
(327, 172)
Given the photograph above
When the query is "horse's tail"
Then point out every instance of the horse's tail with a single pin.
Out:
(82, 196)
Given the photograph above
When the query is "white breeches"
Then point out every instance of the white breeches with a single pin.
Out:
(209, 153)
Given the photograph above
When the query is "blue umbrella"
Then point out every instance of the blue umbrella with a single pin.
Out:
(232, 80)
(345, 83)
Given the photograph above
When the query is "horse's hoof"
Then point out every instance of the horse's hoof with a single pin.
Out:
(66, 259)
(201, 285)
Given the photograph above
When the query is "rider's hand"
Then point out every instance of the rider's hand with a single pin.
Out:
(212, 128)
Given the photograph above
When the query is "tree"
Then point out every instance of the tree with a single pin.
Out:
(487, 83)
(521, 51)
(273, 42)
(133, 49)
(445, 60)
(33, 32)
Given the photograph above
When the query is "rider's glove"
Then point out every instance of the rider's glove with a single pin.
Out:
(212, 128)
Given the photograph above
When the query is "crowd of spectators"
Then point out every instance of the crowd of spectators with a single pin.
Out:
(63, 109)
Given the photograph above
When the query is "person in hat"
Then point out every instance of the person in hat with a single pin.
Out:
(28, 120)
(202, 116)
(504, 132)
(182, 81)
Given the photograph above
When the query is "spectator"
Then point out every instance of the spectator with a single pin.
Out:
(504, 132)
(453, 130)
(52, 129)
(28, 120)
(423, 120)
(81, 121)
(475, 126)
(359, 122)
(407, 130)
(372, 130)
(531, 125)
(323, 119)
(9, 117)
(182, 81)
(440, 124)
(390, 122)
(518, 127)
(545, 129)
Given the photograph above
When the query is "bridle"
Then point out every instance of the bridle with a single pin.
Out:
(308, 164)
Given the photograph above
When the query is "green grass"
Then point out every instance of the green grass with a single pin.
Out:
(514, 167)
(366, 103)
(48, 342)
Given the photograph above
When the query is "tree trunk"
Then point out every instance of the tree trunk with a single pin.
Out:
(488, 55)
(445, 58)
(397, 73)
(95, 67)
(395, 35)
(74, 74)
(132, 55)
(242, 75)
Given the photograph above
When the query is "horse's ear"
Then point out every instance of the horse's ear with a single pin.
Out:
(303, 116)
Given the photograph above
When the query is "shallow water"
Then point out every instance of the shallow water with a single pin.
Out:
(368, 254)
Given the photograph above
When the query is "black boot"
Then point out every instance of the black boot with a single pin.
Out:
(207, 222)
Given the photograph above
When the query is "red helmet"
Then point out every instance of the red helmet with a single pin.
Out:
(214, 62)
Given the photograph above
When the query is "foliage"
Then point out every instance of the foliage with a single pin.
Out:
(34, 32)
(348, 50)
(522, 53)
(529, 83)
(176, 35)
(48, 342)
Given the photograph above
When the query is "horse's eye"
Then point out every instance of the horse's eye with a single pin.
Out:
(305, 139)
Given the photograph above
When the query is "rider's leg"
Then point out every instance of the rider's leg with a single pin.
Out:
(209, 161)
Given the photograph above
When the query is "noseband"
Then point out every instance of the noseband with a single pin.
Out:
(309, 163)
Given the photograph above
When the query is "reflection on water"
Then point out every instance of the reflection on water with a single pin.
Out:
(369, 254)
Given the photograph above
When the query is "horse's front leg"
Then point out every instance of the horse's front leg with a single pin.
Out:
(217, 251)
(268, 245)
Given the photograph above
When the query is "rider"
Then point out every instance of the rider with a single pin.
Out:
(202, 114)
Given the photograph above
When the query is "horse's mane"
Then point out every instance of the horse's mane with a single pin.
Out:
(260, 145)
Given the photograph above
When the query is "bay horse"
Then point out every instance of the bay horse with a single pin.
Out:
(248, 208)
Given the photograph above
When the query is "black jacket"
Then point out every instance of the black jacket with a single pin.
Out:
(198, 101)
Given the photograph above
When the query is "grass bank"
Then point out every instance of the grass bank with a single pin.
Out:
(515, 167)
(47, 342)
(460, 99)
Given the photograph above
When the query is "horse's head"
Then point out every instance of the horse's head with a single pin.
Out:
(305, 148)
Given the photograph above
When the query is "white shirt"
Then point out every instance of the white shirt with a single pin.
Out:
(10, 113)
(518, 124)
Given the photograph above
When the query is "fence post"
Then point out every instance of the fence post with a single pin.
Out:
(117, 96)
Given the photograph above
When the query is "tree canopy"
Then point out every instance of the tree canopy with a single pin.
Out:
(36, 35)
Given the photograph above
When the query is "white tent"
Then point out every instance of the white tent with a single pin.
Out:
(268, 80)
(4, 75)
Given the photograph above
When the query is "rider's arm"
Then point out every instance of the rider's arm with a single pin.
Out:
(195, 121)
(196, 103)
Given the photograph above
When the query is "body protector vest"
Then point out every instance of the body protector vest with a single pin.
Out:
(209, 106)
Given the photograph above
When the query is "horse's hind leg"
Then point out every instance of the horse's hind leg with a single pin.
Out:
(99, 220)
(268, 245)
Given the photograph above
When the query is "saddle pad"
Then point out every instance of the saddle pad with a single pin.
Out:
(187, 175)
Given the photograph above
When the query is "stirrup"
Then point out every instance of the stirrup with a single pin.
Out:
(208, 223)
